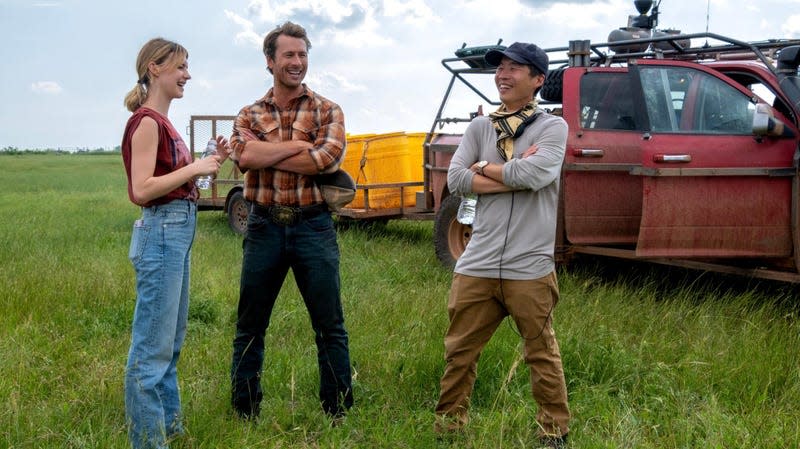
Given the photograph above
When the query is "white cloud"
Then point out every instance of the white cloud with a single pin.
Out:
(412, 11)
(791, 28)
(329, 81)
(319, 15)
(46, 87)
(594, 15)
(247, 36)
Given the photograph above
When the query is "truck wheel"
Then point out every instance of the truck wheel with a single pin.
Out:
(553, 87)
(449, 236)
(238, 209)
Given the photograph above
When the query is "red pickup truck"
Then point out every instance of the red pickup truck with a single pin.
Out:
(676, 154)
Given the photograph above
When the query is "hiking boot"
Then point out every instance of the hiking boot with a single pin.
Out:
(246, 411)
(446, 426)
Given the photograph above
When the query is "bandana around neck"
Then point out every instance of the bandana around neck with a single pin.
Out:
(510, 125)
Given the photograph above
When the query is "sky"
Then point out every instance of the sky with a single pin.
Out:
(69, 63)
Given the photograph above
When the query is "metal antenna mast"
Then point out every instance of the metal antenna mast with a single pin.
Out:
(708, 15)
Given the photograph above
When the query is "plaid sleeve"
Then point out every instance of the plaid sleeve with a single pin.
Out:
(330, 138)
(236, 141)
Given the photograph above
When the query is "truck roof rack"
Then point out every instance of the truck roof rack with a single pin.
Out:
(670, 46)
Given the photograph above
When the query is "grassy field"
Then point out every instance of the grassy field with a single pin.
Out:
(654, 357)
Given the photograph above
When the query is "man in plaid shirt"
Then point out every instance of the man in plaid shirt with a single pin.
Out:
(281, 142)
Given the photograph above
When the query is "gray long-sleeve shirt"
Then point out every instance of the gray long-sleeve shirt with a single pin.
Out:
(513, 235)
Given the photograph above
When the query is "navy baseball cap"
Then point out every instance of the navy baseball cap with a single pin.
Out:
(528, 54)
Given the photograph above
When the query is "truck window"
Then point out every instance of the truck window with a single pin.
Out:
(606, 102)
(684, 100)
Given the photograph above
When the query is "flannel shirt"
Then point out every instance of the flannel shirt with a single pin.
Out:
(310, 117)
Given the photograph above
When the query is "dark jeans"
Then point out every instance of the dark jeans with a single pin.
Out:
(309, 248)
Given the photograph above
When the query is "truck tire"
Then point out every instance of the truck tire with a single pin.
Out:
(238, 208)
(553, 87)
(450, 237)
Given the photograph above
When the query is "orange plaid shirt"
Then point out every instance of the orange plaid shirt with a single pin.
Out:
(310, 117)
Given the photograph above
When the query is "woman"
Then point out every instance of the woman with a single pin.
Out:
(161, 177)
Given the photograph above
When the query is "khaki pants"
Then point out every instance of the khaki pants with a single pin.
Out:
(476, 308)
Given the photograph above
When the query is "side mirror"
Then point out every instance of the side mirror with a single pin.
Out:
(765, 123)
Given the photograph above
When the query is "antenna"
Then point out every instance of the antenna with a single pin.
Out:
(708, 16)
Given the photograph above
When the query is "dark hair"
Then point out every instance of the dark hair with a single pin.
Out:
(534, 72)
(289, 29)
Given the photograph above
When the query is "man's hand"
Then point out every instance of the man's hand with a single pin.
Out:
(532, 150)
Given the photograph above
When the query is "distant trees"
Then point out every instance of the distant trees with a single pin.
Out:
(61, 150)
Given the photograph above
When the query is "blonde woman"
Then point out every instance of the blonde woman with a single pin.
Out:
(161, 175)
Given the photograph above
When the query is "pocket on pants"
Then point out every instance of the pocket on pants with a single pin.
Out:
(175, 218)
(138, 240)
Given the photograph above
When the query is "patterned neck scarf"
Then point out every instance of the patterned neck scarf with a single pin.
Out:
(510, 125)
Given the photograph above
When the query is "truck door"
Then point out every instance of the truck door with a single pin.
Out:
(710, 188)
(602, 200)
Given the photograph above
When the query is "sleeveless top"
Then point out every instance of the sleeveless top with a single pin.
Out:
(171, 155)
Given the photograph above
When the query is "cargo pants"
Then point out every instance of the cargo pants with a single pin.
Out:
(476, 308)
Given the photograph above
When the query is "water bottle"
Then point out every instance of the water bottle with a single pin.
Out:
(466, 210)
(204, 182)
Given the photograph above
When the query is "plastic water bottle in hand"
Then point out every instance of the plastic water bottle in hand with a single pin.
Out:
(466, 211)
(204, 182)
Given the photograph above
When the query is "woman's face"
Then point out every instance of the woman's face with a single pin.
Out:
(172, 76)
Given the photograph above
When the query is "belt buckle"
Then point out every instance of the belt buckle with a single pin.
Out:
(283, 215)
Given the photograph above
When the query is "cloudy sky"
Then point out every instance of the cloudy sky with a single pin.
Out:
(69, 63)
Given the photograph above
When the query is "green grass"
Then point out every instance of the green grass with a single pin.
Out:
(654, 357)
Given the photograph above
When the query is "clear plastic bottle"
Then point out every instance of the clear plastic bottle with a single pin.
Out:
(204, 182)
(466, 210)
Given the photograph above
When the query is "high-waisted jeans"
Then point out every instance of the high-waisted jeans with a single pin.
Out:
(309, 248)
(160, 251)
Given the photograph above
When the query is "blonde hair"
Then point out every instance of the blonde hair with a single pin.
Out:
(163, 53)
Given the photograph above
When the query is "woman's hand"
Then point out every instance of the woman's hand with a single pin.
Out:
(223, 149)
(207, 165)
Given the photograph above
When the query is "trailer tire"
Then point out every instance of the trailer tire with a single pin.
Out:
(553, 87)
(450, 237)
(238, 208)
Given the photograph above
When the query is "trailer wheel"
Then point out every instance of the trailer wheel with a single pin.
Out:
(238, 209)
(450, 237)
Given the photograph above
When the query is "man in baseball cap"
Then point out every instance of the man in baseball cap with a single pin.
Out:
(512, 160)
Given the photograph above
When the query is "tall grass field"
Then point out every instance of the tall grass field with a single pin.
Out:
(654, 357)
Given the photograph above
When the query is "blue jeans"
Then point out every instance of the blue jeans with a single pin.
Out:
(160, 252)
(309, 248)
